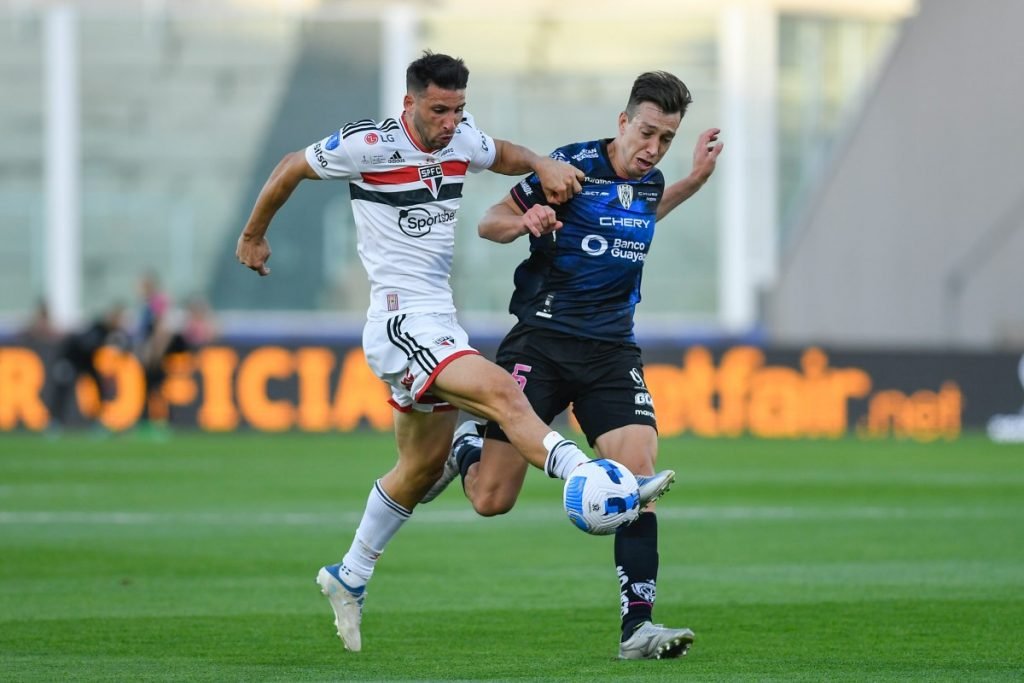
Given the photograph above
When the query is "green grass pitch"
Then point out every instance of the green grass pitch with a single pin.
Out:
(126, 559)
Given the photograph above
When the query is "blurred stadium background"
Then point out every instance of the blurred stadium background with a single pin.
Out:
(868, 206)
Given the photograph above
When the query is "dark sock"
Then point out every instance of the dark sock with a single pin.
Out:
(466, 456)
(636, 561)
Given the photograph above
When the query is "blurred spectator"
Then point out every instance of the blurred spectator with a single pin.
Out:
(39, 329)
(161, 336)
(199, 328)
(155, 337)
(76, 356)
(155, 304)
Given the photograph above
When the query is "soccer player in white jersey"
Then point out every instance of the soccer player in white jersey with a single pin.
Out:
(406, 175)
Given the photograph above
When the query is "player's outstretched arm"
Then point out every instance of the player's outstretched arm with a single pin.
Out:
(253, 249)
(705, 156)
(505, 221)
(561, 181)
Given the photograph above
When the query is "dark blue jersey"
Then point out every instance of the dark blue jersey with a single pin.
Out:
(584, 279)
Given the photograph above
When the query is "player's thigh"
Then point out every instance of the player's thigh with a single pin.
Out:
(478, 386)
(499, 476)
(613, 393)
(533, 359)
(635, 446)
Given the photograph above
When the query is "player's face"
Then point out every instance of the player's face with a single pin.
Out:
(643, 140)
(434, 114)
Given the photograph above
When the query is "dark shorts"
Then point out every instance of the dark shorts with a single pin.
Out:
(603, 381)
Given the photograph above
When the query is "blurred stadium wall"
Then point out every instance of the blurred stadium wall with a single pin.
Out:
(181, 108)
(853, 267)
(914, 233)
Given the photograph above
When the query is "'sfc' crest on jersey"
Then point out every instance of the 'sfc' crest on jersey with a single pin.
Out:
(431, 175)
(625, 195)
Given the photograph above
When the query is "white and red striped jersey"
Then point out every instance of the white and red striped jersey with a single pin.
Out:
(404, 200)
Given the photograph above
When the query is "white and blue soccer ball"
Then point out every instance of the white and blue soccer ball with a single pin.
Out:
(600, 496)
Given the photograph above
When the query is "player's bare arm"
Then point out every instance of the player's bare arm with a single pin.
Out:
(505, 222)
(705, 156)
(561, 181)
(253, 249)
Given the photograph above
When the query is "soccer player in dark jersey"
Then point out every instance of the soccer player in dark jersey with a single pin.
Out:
(574, 343)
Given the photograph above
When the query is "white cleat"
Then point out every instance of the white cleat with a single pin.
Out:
(347, 604)
(654, 641)
(466, 434)
(652, 487)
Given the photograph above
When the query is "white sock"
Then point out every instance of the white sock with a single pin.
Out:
(563, 456)
(382, 519)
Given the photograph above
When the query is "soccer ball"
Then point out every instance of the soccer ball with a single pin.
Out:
(600, 496)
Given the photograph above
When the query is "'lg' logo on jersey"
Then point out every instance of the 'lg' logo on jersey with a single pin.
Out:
(372, 138)
(431, 176)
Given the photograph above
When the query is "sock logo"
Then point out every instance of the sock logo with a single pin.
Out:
(644, 590)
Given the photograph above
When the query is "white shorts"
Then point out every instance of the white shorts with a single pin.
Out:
(409, 350)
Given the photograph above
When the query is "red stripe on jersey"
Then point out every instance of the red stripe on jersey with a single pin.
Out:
(394, 176)
(454, 168)
(411, 174)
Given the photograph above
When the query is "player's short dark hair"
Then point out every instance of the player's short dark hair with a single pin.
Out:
(444, 71)
(661, 89)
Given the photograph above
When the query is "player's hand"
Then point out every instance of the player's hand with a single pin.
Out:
(540, 220)
(705, 154)
(561, 181)
(253, 253)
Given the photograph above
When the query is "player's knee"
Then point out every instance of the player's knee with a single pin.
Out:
(510, 402)
(491, 506)
(421, 477)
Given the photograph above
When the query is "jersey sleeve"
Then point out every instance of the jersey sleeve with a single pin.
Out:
(479, 145)
(528, 192)
(331, 159)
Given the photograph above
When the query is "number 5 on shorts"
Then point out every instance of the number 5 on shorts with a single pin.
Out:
(520, 380)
